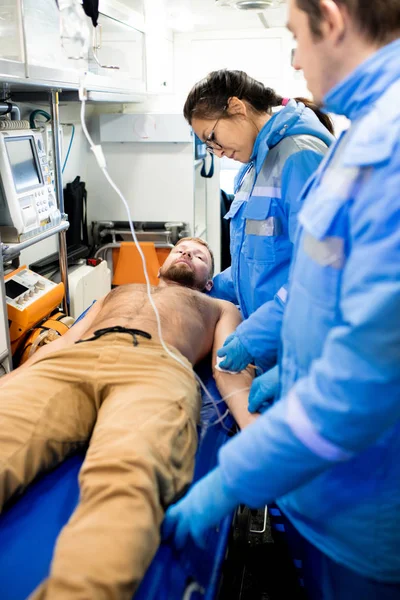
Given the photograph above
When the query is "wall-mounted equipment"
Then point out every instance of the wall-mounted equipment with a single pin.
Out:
(144, 128)
(30, 297)
(27, 200)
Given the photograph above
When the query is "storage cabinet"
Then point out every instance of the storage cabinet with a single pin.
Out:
(11, 47)
(11, 39)
(159, 48)
(160, 57)
(31, 49)
(118, 54)
(46, 59)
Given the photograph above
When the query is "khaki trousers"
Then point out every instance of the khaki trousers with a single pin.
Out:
(137, 408)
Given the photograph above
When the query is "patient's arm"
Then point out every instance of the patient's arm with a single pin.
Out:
(70, 337)
(239, 384)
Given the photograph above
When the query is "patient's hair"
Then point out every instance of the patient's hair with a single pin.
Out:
(203, 243)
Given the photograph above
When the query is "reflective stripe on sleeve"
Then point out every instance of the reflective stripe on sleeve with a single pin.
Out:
(242, 196)
(282, 294)
(304, 430)
(269, 227)
(328, 252)
(271, 192)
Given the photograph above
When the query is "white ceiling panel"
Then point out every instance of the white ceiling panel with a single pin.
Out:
(206, 15)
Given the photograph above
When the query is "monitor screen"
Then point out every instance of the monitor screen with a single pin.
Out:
(23, 163)
(14, 289)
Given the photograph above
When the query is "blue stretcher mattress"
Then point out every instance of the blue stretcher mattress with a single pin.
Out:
(30, 526)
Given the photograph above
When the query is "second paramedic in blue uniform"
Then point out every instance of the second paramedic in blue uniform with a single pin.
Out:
(328, 451)
(232, 113)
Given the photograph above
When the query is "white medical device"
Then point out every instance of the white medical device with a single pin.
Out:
(87, 284)
(27, 199)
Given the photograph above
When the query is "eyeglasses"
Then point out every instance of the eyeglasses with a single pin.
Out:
(210, 141)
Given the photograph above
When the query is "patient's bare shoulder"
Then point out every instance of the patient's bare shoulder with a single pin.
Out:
(228, 309)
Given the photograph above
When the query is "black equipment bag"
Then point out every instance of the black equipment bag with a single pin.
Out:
(226, 201)
(75, 205)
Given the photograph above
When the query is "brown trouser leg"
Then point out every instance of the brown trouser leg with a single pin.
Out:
(140, 458)
(45, 414)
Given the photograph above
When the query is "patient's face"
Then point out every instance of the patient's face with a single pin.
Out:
(189, 264)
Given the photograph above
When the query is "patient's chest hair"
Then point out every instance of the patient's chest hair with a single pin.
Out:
(188, 318)
(131, 300)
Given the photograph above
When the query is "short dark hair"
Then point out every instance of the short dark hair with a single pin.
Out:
(203, 243)
(378, 20)
(209, 97)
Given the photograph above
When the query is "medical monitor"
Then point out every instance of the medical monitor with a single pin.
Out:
(27, 198)
(24, 163)
(14, 289)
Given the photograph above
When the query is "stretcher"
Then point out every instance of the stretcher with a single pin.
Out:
(30, 526)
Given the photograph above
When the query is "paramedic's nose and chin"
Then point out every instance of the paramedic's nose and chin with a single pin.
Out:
(329, 53)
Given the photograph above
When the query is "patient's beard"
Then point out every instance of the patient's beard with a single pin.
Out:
(182, 275)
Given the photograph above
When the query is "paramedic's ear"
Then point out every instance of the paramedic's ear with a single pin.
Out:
(236, 107)
(209, 285)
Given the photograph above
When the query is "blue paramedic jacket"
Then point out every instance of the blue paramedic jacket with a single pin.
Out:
(329, 449)
(263, 218)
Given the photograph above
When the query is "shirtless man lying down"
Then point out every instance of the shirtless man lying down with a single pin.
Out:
(109, 383)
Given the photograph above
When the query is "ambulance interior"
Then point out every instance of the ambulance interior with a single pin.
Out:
(65, 236)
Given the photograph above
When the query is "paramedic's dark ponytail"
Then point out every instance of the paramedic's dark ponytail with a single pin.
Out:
(323, 117)
(208, 98)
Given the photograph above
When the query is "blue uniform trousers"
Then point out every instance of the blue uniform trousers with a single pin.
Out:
(324, 579)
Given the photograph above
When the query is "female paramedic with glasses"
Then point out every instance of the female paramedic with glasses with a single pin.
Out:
(232, 113)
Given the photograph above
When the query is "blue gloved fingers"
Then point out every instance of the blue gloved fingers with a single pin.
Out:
(264, 406)
(233, 363)
(263, 390)
(175, 526)
(236, 355)
(255, 398)
(169, 524)
(206, 503)
(200, 538)
(222, 351)
(227, 364)
(181, 533)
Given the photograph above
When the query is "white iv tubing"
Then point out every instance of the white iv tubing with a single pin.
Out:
(101, 161)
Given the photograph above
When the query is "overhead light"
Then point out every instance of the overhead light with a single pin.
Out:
(258, 5)
(253, 4)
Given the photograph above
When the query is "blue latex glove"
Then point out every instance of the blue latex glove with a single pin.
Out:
(263, 390)
(236, 356)
(203, 507)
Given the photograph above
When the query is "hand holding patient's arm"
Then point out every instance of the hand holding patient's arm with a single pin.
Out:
(236, 386)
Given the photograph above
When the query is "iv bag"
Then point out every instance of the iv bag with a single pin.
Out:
(75, 32)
